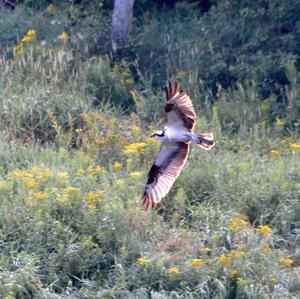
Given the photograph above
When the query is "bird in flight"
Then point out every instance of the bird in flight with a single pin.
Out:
(176, 137)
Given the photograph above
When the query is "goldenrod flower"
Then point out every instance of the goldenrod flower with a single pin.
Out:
(93, 198)
(264, 230)
(273, 278)
(64, 37)
(234, 254)
(286, 261)
(197, 262)
(38, 196)
(224, 260)
(120, 183)
(128, 82)
(239, 222)
(63, 176)
(135, 148)
(241, 281)
(142, 261)
(31, 33)
(135, 175)
(95, 170)
(295, 147)
(174, 271)
(206, 250)
(135, 129)
(79, 172)
(18, 49)
(266, 246)
(117, 166)
(71, 190)
(26, 39)
(274, 153)
(30, 183)
(279, 123)
(151, 140)
(234, 273)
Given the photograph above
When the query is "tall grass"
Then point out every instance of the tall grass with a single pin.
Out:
(75, 152)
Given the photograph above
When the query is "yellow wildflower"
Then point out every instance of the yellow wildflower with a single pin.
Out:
(68, 194)
(234, 254)
(79, 172)
(38, 196)
(135, 129)
(63, 176)
(93, 198)
(120, 183)
(206, 250)
(18, 49)
(295, 147)
(151, 140)
(135, 175)
(18, 173)
(31, 33)
(279, 123)
(239, 222)
(30, 183)
(273, 278)
(117, 166)
(264, 230)
(135, 148)
(128, 82)
(174, 271)
(95, 170)
(64, 37)
(241, 281)
(46, 173)
(224, 260)
(142, 261)
(286, 261)
(234, 273)
(71, 190)
(266, 246)
(197, 262)
(274, 153)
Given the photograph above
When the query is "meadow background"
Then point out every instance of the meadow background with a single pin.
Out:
(75, 152)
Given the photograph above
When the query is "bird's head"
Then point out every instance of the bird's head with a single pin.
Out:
(158, 135)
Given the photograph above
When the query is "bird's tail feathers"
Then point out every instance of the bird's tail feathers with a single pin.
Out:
(204, 140)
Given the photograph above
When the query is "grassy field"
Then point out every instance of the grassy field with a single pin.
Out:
(75, 153)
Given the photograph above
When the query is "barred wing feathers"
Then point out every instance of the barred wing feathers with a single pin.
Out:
(179, 107)
(163, 173)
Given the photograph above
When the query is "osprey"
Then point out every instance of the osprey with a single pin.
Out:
(175, 138)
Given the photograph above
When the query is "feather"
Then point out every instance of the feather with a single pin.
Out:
(163, 173)
(179, 107)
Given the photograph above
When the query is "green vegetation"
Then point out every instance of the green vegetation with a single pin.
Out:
(75, 152)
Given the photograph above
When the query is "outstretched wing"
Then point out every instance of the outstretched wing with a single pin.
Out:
(164, 171)
(179, 107)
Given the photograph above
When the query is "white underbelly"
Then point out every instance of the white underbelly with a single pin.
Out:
(177, 134)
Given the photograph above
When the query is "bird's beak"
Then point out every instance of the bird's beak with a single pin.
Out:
(152, 135)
